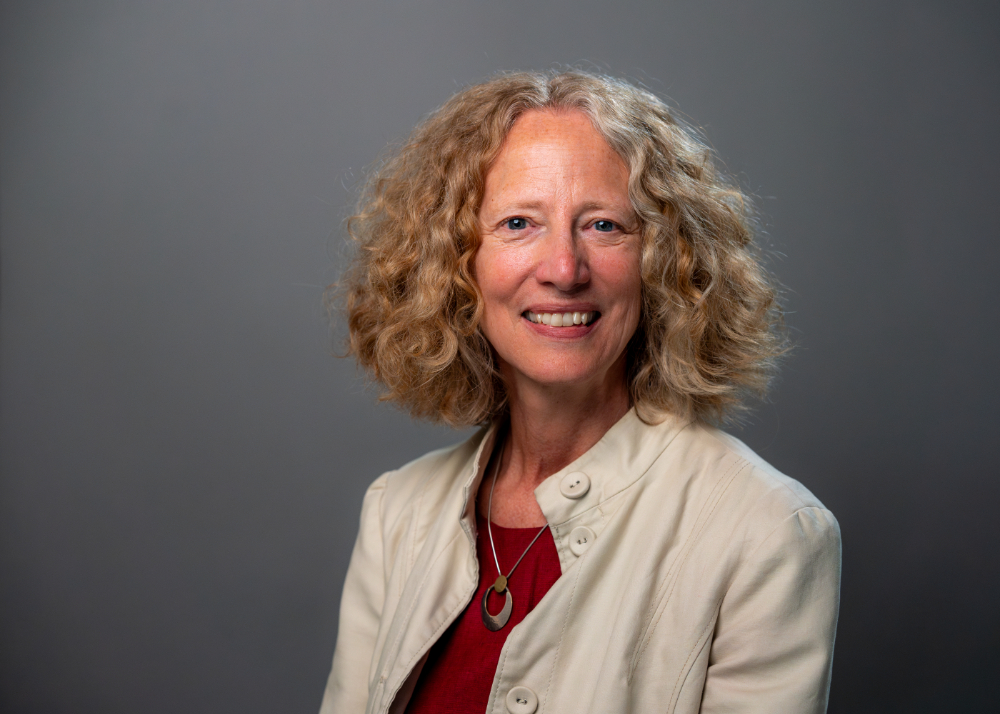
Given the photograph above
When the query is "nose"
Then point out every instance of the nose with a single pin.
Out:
(562, 262)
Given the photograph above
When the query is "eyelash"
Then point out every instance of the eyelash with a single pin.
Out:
(525, 222)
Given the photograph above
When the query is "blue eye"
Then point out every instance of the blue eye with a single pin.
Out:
(517, 224)
(604, 226)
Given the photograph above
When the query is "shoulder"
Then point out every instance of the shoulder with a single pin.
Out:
(741, 498)
(757, 478)
(430, 479)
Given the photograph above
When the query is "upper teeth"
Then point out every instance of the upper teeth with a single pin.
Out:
(562, 319)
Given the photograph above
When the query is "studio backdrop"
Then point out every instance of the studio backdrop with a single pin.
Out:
(182, 454)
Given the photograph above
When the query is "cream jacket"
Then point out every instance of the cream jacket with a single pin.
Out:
(708, 582)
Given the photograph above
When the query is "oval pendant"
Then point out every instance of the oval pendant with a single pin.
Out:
(494, 623)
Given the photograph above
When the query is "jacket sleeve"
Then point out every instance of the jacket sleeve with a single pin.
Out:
(360, 612)
(773, 644)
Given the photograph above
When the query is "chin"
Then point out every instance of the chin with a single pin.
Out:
(553, 374)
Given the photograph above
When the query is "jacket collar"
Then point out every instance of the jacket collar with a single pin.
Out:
(614, 463)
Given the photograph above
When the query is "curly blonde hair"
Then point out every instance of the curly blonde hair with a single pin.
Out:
(708, 333)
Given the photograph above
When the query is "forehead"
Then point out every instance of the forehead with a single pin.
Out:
(552, 145)
(555, 128)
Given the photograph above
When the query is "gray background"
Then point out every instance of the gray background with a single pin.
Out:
(183, 459)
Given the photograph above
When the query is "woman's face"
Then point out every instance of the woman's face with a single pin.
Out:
(558, 265)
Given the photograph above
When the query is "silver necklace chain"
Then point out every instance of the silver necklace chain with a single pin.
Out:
(496, 622)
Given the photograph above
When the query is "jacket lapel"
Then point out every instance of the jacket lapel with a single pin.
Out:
(443, 580)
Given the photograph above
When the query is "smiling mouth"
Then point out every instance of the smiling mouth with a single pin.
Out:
(562, 319)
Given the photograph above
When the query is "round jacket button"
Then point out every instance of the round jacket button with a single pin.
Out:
(521, 700)
(580, 539)
(574, 485)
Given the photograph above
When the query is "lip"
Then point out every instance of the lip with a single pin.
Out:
(552, 308)
(564, 333)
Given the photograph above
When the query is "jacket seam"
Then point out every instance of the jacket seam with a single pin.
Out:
(781, 524)
(413, 604)
(412, 544)
(373, 665)
(801, 506)
(562, 635)
(495, 690)
(663, 597)
(685, 672)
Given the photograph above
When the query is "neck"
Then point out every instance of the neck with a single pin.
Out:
(551, 427)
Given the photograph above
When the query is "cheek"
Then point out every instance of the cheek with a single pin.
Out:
(496, 294)
(484, 271)
(623, 278)
(624, 281)
(499, 274)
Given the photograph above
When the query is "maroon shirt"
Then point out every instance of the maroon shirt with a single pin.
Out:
(458, 675)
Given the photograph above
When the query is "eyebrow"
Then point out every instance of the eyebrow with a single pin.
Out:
(594, 206)
(538, 205)
(521, 206)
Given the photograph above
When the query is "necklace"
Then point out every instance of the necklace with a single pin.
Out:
(497, 622)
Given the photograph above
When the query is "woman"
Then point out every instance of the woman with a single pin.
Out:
(554, 257)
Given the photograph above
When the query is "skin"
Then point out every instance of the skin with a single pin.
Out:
(558, 235)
